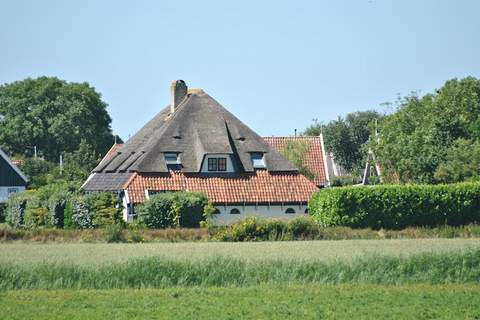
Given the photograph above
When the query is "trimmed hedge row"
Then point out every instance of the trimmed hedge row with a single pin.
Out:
(397, 206)
(173, 209)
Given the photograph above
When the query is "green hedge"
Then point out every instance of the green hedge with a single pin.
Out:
(397, 206)
(173, 209)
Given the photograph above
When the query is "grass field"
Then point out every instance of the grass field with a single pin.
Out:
(344, 250)
(351, 279)
(261, 302)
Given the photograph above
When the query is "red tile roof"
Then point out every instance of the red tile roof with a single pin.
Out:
(259, 187)
(313, 160)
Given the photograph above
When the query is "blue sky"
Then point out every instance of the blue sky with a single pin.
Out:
(275, 64)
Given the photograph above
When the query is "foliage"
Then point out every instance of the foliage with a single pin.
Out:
(295, 152)
(178, 209)
(271, 230)
(114, 233)
(98, 209)
(38, 171)
(157, 212)
(53, 115)
(82, 217)
(396, 207)
(462, 162)
(427, 138)
(347, 180)
(254, 229)
(36, 217)
(346, 138)
(16, 207)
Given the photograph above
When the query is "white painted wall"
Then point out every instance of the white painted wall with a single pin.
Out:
(263, 212)
(4, 192)
(229, 162)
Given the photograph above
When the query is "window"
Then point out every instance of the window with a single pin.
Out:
(290, 211)
(257, 160)
(171, 158)
(234, 211)
(216, 211)
(217, 164)
(222, 164)
(12, 190)
(212, 164)
(306, 211)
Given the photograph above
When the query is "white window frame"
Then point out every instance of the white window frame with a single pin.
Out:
(167, 155)
(258, 163)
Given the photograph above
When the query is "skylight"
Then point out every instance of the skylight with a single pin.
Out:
(258, 160)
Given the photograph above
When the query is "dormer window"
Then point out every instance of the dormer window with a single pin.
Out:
(258, 161)
(217, 164)
(172, 158)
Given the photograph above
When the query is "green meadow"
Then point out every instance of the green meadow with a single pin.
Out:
(351, 279)
(349, 301)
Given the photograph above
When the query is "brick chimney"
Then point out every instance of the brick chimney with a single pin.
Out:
(178, 92)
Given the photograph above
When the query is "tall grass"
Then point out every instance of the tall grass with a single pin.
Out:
(155, 272)
(298, 229)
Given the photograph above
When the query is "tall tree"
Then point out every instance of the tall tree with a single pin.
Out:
(346, 137)
(424, 140)
(53, 115)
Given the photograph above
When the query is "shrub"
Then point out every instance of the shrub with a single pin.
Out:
(16, 207)
(397, 206)
(113, 233)
(98, 209)
(36, 216)
(302, 228)
(157, 212)
(254, 229)
(179, 209)
(81, 215)
(57, 204)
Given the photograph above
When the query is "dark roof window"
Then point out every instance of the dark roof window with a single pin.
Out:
(258, 160)
(217, 164)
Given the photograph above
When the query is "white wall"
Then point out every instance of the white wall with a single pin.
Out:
(229, 162)
(4, 194)
(263, 211)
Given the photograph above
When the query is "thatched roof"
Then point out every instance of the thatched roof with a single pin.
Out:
(199, 126)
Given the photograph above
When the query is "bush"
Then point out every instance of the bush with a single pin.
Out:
(254, 229)
(398, 206)
(16, 207)
(36, 216)
(98, 209)
(302, 228)
(82, 217)
(113, 233)
(179, 209)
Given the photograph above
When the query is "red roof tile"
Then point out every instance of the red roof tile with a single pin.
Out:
(314, 156)
(259, 187)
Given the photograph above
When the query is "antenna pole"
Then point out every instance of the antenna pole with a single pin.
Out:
(61, 163)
